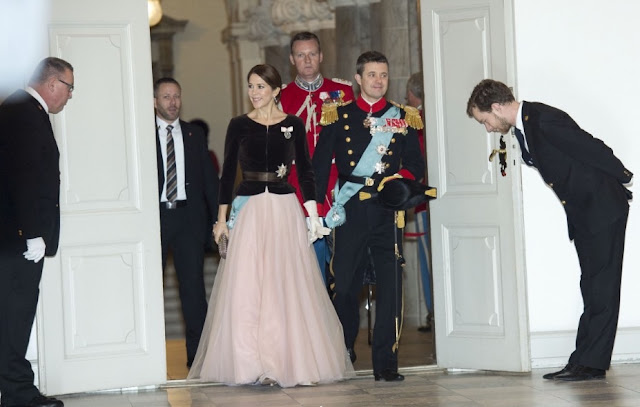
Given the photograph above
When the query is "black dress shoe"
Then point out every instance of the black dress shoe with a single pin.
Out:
(579, 373)
(39, 401)
(44, 401)
(566, 369)
(388, 376)
(352, 355)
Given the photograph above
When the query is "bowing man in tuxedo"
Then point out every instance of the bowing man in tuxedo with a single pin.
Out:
(29, 219)
(188, 190)
(589, 182)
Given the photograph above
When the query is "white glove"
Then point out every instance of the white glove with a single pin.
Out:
(316, 229)
(35, 249)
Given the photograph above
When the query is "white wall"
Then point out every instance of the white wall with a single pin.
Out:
(581, 56)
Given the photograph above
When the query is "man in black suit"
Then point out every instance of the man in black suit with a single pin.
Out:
(589, 182)
(29, 219)
(188, 190)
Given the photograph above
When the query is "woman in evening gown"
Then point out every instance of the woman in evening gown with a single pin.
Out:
(270, 319)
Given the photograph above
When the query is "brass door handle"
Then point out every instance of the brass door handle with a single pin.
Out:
(494, 152)
(502, 155)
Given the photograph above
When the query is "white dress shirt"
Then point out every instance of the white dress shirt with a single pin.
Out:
(178, 146)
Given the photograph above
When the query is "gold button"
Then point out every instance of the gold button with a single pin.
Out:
(350, 152)
(352, 163)
(348, 139)
(393, 140)
(389, 152)
(564, 202)
(346, 127)
(551, 184)
(345, 115)
(19, 232)
(57, 205)
(387, 165)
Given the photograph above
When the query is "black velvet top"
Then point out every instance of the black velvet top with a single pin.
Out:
(272, 149)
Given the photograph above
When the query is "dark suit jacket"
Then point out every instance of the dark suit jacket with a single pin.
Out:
(201, 182)
(583, 171)
(29, 175)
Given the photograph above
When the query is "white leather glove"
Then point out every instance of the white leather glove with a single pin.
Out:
(35, 249)
(316, 229)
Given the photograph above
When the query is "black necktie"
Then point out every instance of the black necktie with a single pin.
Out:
(525, 153)
(172, 178)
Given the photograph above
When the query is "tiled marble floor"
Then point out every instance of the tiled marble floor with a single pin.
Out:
(427, 388)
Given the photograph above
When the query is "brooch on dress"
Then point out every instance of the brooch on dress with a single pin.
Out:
(287, 131)
(282, 169)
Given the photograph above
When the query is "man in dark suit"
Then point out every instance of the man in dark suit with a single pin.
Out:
(589, 182)
(188, 201)
(29, 219)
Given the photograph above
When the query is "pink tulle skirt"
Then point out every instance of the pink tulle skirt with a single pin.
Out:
(270, 317)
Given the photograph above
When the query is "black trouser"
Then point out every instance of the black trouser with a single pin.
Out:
(368, 226)
(19, 281)
(187, 245)
(600, 258)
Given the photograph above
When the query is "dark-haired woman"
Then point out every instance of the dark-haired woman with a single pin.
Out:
(270, 319)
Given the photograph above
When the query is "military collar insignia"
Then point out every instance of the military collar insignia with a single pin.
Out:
(310, 86)
(371, 108)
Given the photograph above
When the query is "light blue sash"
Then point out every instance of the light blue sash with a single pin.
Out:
(365, 168)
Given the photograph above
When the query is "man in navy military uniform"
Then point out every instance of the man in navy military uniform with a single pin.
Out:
(373, 141)
(589, 182)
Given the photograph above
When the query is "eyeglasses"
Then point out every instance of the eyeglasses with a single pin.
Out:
(70, 86)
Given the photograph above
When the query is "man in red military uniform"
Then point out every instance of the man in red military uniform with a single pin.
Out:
(304, 97)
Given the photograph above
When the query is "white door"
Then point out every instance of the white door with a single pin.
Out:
(476, 222)
(100, 319)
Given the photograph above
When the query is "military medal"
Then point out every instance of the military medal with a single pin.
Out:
(287, 131)
(282, 169)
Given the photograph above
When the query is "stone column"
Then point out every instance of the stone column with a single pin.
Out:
(293, 16)
(415, 37)
(356, 32)
(244, 55)
(394, 30)
(162, 46)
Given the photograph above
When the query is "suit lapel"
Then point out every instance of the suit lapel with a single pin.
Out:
(161, 169)
(530, 129)
(188, 144)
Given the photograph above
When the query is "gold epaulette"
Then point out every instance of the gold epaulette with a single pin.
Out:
(412, 115)
(342, 81)
(330, 112)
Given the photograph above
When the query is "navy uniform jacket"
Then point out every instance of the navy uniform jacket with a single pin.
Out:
(259, 148)
(348, 138)
(583, 171)
(29, 175)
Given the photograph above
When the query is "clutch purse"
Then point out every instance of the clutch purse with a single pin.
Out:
(223, 244)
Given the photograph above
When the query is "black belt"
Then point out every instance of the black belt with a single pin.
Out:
(173, 205)
(262, 176)
(366, 181)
